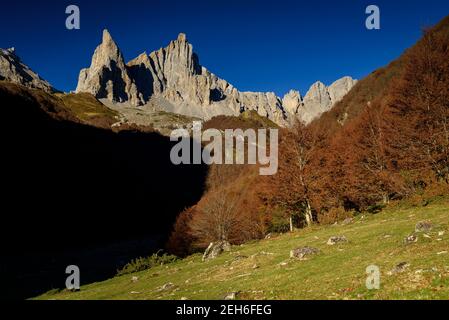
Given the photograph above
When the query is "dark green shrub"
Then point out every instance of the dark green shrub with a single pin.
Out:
(141, 264)
(376, 208)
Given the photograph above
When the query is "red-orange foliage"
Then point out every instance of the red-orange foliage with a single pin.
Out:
(388, 136)
(181, 240)
(292, 188)
(393, 140)
(231, 209)
(417, 114)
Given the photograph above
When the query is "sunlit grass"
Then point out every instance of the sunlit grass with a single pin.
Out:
(263, 270)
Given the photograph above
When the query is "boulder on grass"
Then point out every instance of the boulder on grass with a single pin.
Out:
(411, 239)
(336, 240)
(423, 226)
(215, 249)
(401, 267)
(303, 253)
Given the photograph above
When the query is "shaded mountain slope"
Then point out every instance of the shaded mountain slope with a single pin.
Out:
(70, 189)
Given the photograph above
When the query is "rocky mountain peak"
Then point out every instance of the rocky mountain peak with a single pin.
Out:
(13, 70)
(181, 85)
(107, 38)
(108, 77)
(292, 101)
(142, 59)
(321, 98)
(107, 51)
(340, 88)
(182, 37)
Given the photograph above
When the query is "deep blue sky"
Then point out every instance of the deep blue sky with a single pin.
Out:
(256, 45)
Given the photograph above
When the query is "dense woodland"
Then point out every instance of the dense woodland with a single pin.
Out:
(387, 140)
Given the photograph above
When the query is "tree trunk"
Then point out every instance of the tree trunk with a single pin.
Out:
(309, 218)
(386, 199)
(291, 223)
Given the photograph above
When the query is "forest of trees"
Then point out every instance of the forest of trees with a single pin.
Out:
(395, 146)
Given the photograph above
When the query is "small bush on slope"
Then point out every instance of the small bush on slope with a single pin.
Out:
(141, 264)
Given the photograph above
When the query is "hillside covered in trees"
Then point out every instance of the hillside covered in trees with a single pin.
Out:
(387, 140)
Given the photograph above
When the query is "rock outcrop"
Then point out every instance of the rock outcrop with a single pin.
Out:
(318, 99)
(13, 70)
(215, 249)
(174, 77)
(303, 253)
(336, 240)
(423, 226)
(108, 77)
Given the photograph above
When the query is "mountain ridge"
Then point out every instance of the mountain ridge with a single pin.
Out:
(175, 74)
(12, 69)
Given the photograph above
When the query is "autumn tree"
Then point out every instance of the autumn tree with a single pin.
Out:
(291, 188)
(217, 218)
(418, 110)
(181, 239)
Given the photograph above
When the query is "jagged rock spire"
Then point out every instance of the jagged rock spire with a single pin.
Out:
(107, 77)
(175, 75)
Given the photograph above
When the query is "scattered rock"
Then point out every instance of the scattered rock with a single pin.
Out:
(135, 279)
(441, 253)
(167, 286)
(401, 267)
(336, 240)
(231, 296)
(427, 236)
(262, 253)
(283, 264)
(268, 236)
(255, 267)
(184, 299)
(135, 292)
(347, 221)
(411, 239)
(423, 226)
(240, 257)
(441, 233)
(303, 253)
(215, 249)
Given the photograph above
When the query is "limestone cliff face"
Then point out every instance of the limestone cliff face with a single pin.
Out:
(173, 75)
(107, 77)
(12, 69)
(317, 100)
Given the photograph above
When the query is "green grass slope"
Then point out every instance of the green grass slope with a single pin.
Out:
(89, 110)
(263, 270)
